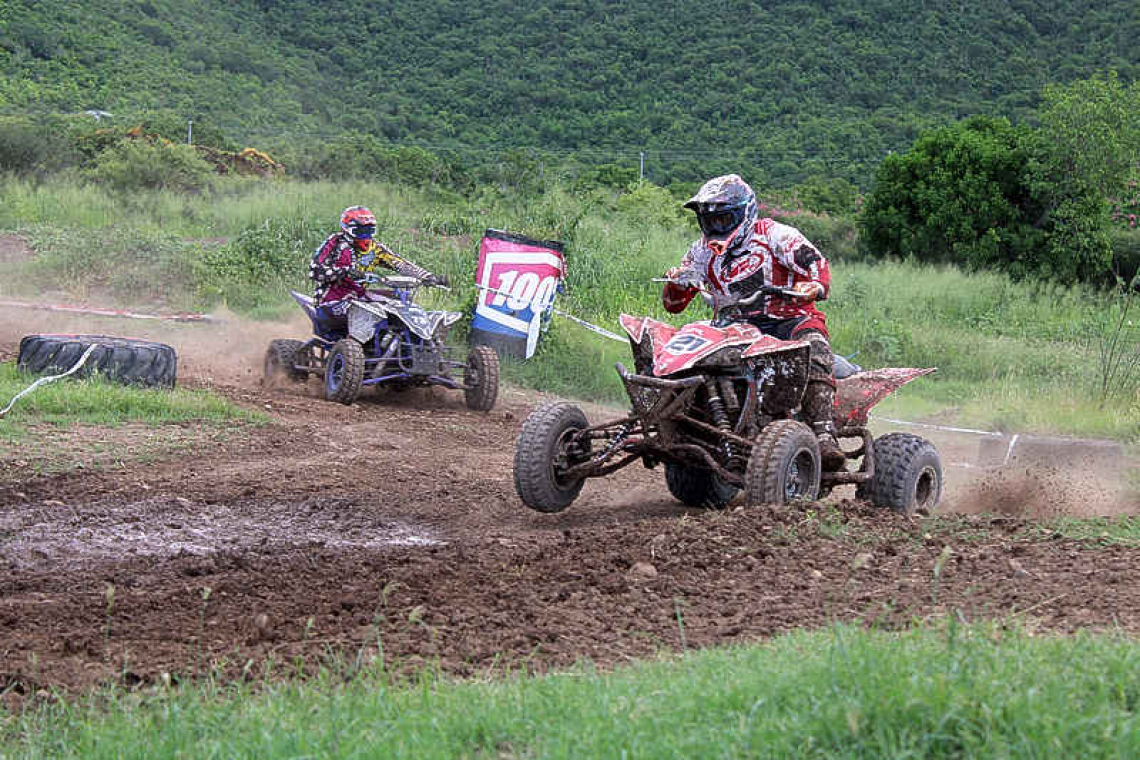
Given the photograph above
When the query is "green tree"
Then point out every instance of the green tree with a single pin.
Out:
(1090, 134)
(1030, 201)
(1084, 152)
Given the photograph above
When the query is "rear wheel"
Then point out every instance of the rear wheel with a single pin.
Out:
(908, 475)
(344, 371)
(542, 454)
(281, 361)
(124, 360)
(481, 378)
(784, 466)
(695, 487)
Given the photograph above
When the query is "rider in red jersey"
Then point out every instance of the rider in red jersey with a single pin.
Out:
(737, 253)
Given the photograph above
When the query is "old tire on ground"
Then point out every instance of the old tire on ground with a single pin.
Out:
(908, 474)
(695, 487)
(344, 371)
(281, 361)
(784, 465)
(481, 378)
(124, 360)
(540, 452)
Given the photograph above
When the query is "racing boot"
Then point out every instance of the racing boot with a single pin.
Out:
(831, 457)
(818, 407)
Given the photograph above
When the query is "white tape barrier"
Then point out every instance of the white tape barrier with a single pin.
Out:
(937, 427)
(948, 429)
(538, 313)
(46, 380)
(588, 326)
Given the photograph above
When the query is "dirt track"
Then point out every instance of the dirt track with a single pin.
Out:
(395, 521)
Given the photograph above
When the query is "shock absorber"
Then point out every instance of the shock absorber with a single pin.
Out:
(728, 394)
(720, 418)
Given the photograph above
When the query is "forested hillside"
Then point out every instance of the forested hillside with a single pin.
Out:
(781, 90)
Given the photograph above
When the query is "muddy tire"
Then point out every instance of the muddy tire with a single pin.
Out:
(695, 487)
(281, 361)
(344, 371)
(123, 360)
(540, 447)
(481, 379)
(908, 475)
(784, 465)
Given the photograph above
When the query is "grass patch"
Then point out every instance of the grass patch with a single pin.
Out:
(953, 691)
(1122, 531)
(91, 423)
(94, 401)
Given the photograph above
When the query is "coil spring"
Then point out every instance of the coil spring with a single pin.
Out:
(733, 458)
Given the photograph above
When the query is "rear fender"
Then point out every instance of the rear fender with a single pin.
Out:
(857, 394)
(305, 302)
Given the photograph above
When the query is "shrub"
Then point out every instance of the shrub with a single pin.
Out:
(365, 157)
(259, 265)
(31, 147)
(832, 195)
(141, 164)
(647, 204)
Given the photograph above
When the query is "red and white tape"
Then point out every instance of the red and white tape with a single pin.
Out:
(108, 312)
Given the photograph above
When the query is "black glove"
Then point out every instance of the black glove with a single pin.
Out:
(357, 274)
(437, 280)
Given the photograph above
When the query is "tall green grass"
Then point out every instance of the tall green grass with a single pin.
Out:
(934, 692)
(230, 207)
(1021, 355)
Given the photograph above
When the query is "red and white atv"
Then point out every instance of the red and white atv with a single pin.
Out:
(718, 403)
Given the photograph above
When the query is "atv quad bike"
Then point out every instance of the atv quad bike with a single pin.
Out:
(388, 341)
(717, 402)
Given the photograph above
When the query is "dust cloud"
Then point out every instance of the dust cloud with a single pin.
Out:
(1042, 477)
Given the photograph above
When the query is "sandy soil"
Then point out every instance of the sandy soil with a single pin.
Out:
(333, 529)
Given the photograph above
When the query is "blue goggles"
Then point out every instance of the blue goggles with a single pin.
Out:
(362, 231)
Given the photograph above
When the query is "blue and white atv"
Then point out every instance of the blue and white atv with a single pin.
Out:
(387, 340)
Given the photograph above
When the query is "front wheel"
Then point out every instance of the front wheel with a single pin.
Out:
(695, 487)
(344, 371)
(543, 453)
(907, 477)
(784, 465)
(481, 379)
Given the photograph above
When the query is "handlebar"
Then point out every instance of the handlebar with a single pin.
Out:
(769, 290)
(761, 292)
(396, 281)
